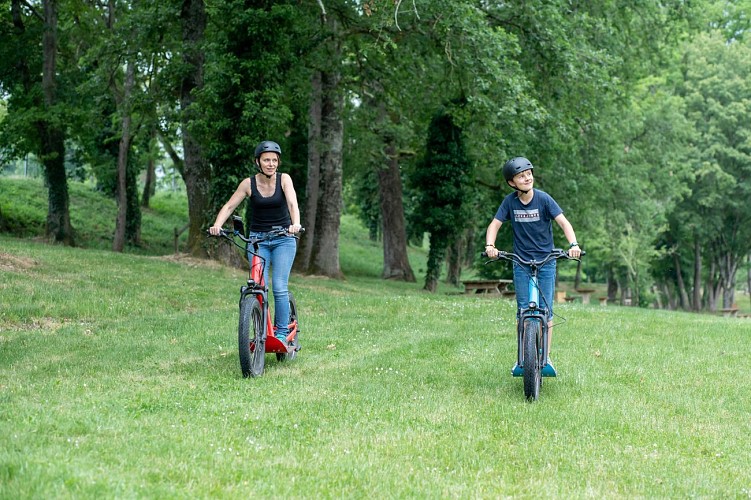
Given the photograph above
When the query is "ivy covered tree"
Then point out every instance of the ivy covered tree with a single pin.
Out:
(440, 182)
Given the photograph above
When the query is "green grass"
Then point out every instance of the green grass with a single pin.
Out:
(119, 377)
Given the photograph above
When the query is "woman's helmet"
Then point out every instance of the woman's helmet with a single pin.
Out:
(516, 166)
(268, 147)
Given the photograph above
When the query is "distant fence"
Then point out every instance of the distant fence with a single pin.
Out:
(178, 232)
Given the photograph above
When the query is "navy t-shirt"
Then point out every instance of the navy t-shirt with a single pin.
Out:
(531, 224)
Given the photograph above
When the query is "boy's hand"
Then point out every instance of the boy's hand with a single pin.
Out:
(491, 251)
(574, 252)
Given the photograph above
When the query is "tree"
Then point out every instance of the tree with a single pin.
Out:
(324, 257)
(441, 183)
(37, 115)
(196, 168)
(714, 82)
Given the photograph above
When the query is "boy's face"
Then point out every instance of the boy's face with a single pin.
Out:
(523, 181)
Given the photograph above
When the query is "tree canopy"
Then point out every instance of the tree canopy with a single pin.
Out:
(634, 114)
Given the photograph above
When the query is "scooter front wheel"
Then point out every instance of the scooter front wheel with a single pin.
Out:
(532, 352)
(251, 338)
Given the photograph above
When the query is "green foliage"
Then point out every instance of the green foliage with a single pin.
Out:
(440, 182)
(713, 79)
(252, 87)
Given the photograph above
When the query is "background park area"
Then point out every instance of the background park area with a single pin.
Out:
(119, 377)
(125, 126)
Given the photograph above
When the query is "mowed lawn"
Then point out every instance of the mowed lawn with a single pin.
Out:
(119, 377)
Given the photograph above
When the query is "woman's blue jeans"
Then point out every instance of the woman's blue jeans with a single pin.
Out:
(279, 253)
(545, 282)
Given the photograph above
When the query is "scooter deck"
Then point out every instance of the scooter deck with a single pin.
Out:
(274, 345)
(547, 371)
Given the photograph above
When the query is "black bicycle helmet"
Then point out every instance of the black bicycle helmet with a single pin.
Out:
(268, 147)
(516, 166)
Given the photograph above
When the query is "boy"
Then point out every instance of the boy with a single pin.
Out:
(531, 213)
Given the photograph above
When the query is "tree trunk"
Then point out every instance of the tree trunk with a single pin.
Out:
(118, 243)
(395, 260)
(711, 287)
(196, 169)
(325, 254)
(728, 269)
(149, 185)
(310, 211)
(52, 137)
(658, 297)
(454, 262)
(578, 277)
(436, 256)
(697, 275)
(612, 285)
(685, 305)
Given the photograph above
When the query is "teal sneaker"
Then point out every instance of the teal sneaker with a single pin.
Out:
(282, 339)
(517, 371)
(548, 370)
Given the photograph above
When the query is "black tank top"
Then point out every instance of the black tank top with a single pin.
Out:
(268, 212)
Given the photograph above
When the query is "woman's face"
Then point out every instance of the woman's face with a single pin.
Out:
(268, 162)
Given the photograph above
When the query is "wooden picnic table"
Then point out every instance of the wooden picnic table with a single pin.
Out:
(730, 312)
(495, 287)
(586, 293)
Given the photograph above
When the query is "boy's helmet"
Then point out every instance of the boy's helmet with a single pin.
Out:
(516, 166)
(268, 147)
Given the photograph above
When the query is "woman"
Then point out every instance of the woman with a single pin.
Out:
(273, 204)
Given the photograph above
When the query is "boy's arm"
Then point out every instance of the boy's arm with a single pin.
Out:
(490, 234)
(568, 231)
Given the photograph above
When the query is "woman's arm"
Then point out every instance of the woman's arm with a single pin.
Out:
(237, 197)
(291, 196)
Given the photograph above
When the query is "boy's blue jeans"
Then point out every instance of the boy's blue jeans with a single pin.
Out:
(545, 282)
(279, 253)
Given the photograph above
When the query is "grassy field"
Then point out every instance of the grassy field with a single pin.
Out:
(23, 203)
(119, 377)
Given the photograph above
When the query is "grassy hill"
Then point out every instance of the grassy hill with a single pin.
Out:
(23, 203)
(119, 377)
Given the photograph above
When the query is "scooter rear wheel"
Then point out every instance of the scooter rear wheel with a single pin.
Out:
(295, 344)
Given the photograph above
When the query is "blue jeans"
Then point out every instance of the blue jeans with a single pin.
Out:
(545, 283)
(279, 253)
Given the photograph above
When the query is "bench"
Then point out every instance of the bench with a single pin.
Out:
(730, 312)
(495, 287)
(586, 293)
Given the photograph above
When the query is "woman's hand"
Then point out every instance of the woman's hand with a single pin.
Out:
(294, 228)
